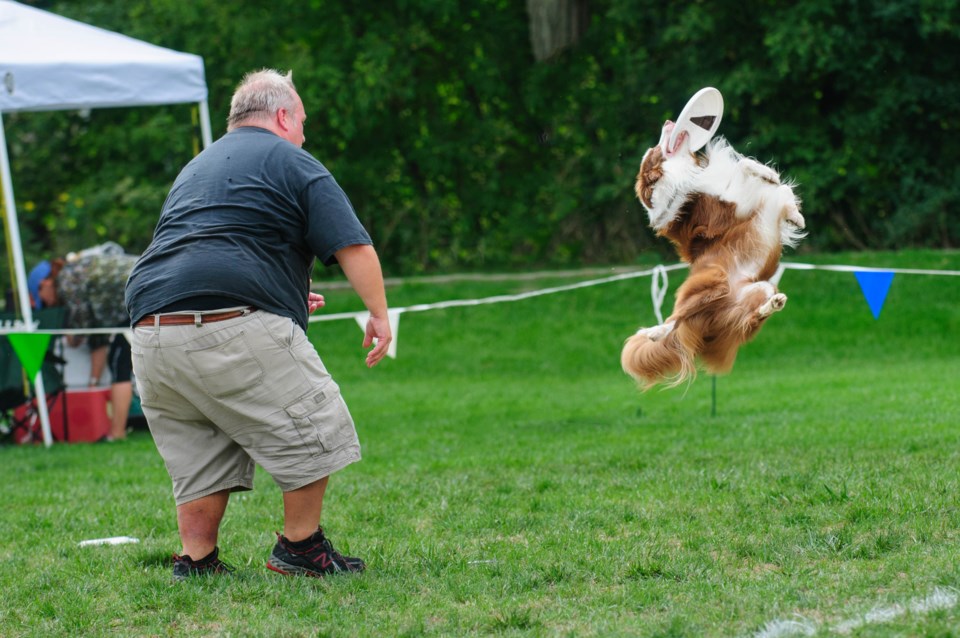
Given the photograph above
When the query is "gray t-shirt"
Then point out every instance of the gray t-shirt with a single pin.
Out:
(245, 220)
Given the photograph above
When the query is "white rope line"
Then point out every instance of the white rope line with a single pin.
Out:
(658, 288)
(19, 328)
(455, 303)
(775, 280)
(657, 292)
(905, 271)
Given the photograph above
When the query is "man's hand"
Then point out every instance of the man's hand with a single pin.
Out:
(314, 302)
(362, 267)
(377, 328)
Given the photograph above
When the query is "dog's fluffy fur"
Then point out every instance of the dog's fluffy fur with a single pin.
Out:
(729, 218)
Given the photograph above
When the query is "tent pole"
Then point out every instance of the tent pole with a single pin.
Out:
(13, 230)
(13, 227)
(205, 124)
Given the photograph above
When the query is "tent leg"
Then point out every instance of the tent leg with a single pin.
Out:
(13, 230)
(16, 249)
(42, 409)
(205, 124)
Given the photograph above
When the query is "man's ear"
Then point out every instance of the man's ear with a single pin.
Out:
(282, 114)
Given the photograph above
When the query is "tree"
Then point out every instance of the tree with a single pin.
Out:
(555, 25)
(498, 134)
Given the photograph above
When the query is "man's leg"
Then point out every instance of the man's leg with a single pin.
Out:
(304, 549)
(121, 389)
(301, 510)
(121, 396)
(199, 523)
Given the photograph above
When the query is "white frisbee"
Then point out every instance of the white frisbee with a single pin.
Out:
(700, 118)
(113, 540)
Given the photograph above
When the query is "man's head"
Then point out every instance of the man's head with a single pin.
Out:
(268, 99)
(42, 283)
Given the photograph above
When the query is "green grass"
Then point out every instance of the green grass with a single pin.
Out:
(515, 482)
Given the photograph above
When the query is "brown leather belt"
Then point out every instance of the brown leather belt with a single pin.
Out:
(196, 318)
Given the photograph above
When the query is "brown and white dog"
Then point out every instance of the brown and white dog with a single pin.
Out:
(728, 217)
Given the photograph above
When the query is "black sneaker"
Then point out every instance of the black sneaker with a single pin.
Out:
(314, 556)
(184, 567)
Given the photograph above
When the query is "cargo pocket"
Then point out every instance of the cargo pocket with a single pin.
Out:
(322, 419)
(226, 368)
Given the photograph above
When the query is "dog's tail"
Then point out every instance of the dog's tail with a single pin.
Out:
(651, 358)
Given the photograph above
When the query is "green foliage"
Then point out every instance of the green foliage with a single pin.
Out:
(95, 176)
(516, 483)
(460, 151)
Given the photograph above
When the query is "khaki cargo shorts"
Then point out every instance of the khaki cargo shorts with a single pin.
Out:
(224, 396)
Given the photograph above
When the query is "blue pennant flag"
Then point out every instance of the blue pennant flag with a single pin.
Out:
(875, 286)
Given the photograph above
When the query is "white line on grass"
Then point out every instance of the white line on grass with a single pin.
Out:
(784, 628)
(939, 598)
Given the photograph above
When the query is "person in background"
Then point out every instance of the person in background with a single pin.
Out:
(90, 285)
(219, 302)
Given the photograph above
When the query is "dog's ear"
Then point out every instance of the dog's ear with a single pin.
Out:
(650, 173)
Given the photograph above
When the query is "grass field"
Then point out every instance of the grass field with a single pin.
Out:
(515, 483)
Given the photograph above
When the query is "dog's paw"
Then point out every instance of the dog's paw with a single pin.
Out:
(753, 168)
(656, 333)
(772, 305)
(795, 218)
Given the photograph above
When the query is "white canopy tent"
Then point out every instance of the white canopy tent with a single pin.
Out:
(47, 63)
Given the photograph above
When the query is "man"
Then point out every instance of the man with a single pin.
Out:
(219, 302)
(89, 284)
